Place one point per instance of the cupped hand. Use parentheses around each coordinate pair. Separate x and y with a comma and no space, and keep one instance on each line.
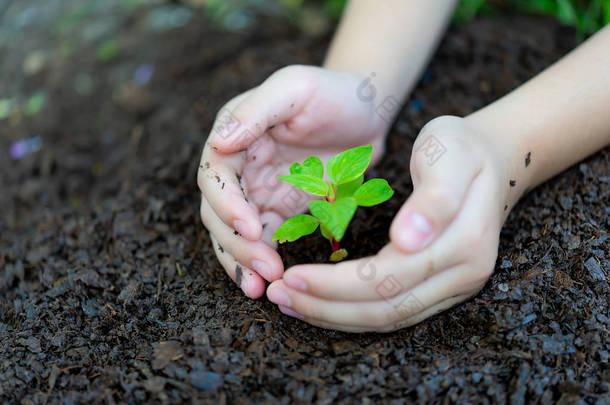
(299,111)
(443,242)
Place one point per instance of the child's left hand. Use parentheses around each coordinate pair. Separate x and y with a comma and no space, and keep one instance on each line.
(444,241)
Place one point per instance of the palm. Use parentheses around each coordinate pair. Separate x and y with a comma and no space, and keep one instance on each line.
(320,135)
(297,112)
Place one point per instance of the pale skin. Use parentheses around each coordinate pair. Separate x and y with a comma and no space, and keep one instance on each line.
(444,240)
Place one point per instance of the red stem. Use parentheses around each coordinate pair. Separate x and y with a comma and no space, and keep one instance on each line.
(335,245)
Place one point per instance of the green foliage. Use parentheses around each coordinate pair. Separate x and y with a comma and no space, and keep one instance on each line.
(307,183)
(6,107)
(295,227)
(338,255)
(34,104)
(467,10)
(312,166)
(334,8)
(349,165)
(587,16)
(349,188)
(343,192)
(108,50)
(373,192)
(335,216)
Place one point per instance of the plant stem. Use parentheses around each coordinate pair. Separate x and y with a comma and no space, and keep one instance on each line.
(332,194)
(334,244)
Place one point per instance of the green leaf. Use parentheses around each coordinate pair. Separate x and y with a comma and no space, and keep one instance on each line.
(565,12)
(108,51)
(348,189)
(34,104)
(295,227)
(349,165)
(338,255)
(307,183)
(312,166)
(6,107)
(295,168)
(335,216)
(325,231)
(373,192)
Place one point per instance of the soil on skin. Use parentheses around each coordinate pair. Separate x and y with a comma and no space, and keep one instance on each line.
(110,291)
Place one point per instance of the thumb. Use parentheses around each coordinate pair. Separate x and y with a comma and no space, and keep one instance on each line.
(442,170)
(275,101)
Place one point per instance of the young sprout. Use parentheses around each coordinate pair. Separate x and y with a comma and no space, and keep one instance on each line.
(343,193)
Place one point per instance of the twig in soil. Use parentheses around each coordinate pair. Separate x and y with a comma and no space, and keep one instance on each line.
(159,283)
(109,239)
(55,371)
(179,270)
(111,308)
(178,384)
(256,319)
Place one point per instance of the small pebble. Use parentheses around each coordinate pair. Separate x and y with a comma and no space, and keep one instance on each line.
(205,380)
(595,269)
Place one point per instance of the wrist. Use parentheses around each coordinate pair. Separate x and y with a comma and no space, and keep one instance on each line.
(509,156)
(371,91)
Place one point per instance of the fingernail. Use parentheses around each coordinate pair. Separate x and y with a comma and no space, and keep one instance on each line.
(279,297)
(417,232)
(295,282)
(290,312)
(261,268)
(240,226)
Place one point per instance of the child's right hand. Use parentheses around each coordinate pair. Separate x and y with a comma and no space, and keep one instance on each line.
(297,112)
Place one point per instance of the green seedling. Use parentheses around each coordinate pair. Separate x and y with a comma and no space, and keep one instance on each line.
(342,194)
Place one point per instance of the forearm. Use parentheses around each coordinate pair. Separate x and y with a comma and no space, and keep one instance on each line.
(554,120)
(388,41)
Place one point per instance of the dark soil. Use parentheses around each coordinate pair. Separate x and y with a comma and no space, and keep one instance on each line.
(110,291)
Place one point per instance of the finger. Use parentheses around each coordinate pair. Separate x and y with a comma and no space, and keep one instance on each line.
(393,305)
(358,280)
(221,187)
(250,282)
(309,308)
(275,195)
(257,256)
(225,122)
(442,167)
(219,181)
(428,312)
(465,240)
(276,100)
(435,309)
(324,324)
(271,221)
(260,153)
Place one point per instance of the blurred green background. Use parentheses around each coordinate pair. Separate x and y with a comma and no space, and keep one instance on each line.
(585,16)
(68,26)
